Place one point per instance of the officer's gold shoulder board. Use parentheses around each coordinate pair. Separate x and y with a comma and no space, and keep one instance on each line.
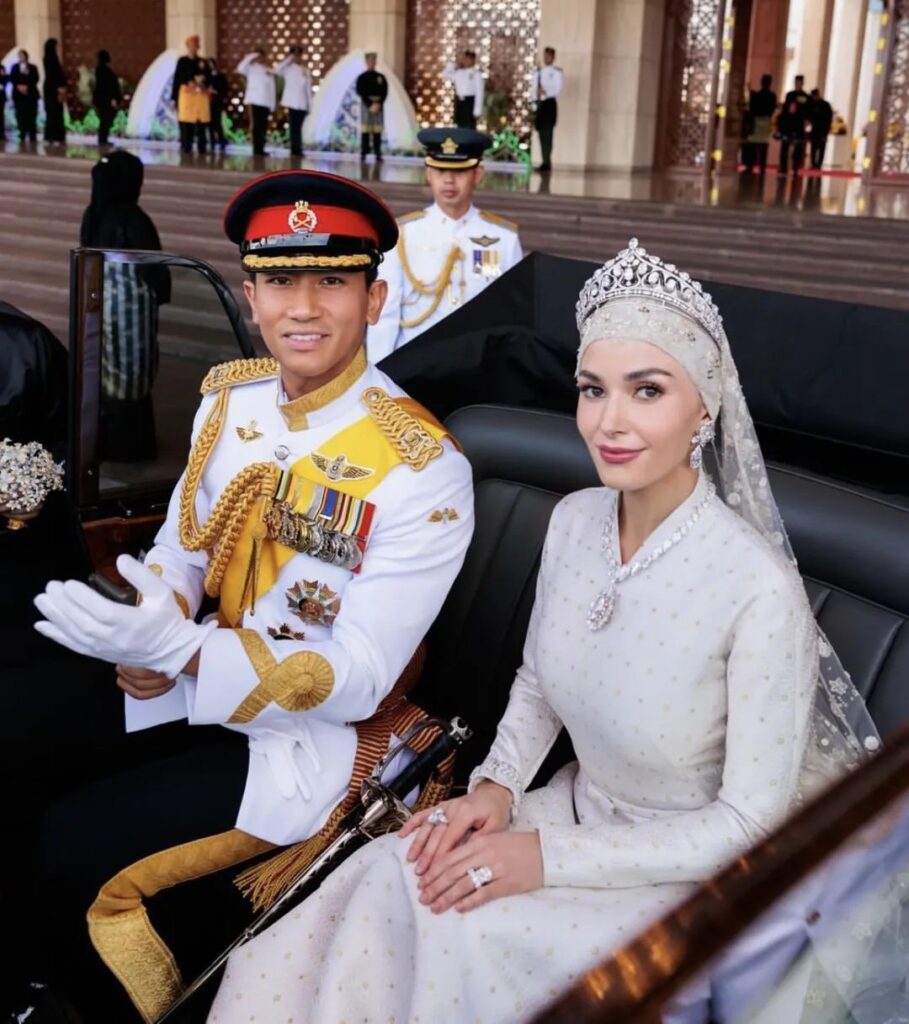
(238,371)
(413,215)
(494,218)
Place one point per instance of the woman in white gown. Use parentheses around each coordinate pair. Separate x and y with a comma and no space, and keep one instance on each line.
(671,636)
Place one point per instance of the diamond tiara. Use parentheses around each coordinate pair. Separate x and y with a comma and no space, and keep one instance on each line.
(633,274)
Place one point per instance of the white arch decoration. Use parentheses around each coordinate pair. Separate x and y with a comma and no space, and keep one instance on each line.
(334,118)
(150,115)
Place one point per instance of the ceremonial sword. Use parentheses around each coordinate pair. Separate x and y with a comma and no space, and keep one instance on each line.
(379,804)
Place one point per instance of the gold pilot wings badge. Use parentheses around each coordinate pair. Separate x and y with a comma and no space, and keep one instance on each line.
(485,241)
(338,468)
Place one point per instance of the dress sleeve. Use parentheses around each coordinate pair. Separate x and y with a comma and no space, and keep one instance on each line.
(529,726)
(771,677)
(412,560)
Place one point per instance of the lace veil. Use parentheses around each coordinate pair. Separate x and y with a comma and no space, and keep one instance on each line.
(637,297)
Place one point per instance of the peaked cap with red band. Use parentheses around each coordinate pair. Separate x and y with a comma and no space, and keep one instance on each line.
(309,220)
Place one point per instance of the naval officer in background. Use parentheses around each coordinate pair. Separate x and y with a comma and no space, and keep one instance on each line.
(447,253)
(469,89)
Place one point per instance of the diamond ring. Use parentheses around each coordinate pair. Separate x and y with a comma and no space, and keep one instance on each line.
(479,876)
(437,816)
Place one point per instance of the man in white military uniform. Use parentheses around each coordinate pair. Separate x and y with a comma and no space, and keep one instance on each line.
(296,96)
(259,96)
(545,89)
(447,253)
(469,89)
(328,514)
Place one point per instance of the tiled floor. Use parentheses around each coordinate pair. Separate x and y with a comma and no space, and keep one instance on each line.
(834,194)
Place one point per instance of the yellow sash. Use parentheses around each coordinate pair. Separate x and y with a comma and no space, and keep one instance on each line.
(364,445)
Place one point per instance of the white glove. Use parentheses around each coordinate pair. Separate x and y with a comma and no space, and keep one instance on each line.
(154,635)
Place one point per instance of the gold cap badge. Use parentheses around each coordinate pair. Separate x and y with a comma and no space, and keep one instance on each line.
(449,147)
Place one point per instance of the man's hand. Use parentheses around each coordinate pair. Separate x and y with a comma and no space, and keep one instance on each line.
(143,683)
(153,635)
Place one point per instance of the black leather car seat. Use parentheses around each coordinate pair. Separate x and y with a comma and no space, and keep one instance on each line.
(852,547)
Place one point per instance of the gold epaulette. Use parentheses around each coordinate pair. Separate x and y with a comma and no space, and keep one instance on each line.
(494,218)
(413,443)
(238,371)
(413,215)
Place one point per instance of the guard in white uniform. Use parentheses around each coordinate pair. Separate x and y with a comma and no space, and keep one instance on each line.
(447,253)
(546,87)
(296,96)
(328,515)
(469,89)
(259,96)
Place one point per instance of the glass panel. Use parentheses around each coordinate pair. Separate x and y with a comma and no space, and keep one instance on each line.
(835,950)
(162,329)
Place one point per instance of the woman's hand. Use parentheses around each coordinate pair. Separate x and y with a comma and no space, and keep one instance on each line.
(514,858)
(487,809)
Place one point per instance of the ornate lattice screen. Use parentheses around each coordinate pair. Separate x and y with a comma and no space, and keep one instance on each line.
(505,35)
(321,28)
(134,33)
(690,63)
(894,114)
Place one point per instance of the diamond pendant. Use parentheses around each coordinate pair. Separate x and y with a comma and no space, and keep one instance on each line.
(601,608)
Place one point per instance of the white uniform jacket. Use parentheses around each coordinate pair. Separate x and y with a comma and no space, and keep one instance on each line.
(550,79)
(297,94)
(260,83)
(438,265)
(324,644)
(467,82)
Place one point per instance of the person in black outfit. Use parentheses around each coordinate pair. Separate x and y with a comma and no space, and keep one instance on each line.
(372,88)
(24,80)
(106,96)
(114,220)
(820,117)
(219,89)
(791,127)
(192,98)
(54,94)
(761,108)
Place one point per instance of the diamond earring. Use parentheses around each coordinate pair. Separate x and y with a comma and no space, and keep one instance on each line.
(704,436)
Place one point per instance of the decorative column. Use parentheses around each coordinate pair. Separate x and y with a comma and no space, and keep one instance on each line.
(380,25)
(845,59)
(192,18)
(888,142)
(36,21)
(814,43)
(609,51)
(767,44)
(690,98)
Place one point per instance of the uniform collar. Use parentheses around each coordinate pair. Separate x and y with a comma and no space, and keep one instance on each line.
(323,404)
(436,210)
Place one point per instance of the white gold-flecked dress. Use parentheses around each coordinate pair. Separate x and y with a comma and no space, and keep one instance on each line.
(689,714)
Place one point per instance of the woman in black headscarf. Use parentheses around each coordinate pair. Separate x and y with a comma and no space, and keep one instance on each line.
(106,96)
(132,294)
(54,94)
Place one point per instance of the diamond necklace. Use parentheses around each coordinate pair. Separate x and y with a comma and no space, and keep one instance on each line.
(603,605)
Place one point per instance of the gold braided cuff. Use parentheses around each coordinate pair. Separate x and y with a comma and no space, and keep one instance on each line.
(251,262)
(298,683)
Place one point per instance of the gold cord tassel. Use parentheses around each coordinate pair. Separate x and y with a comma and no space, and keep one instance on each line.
(251,583)
(264,883)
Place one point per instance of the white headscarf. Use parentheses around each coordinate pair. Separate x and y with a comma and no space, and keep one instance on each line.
(636,297)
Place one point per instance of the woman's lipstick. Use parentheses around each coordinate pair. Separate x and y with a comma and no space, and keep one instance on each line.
(617,456)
